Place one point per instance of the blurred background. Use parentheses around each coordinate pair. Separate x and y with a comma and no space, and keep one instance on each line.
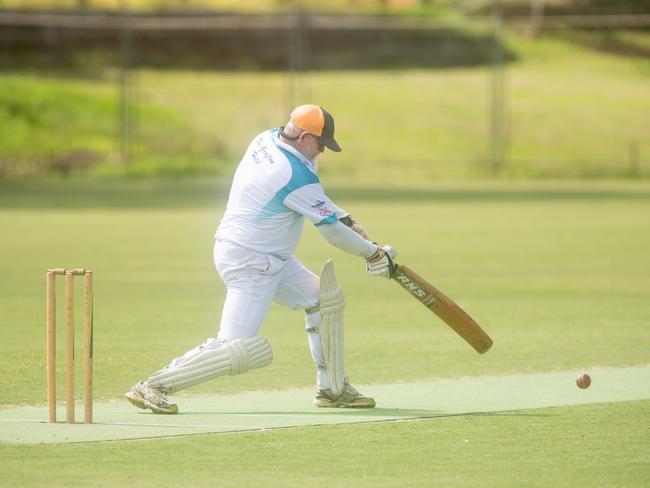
(422,90)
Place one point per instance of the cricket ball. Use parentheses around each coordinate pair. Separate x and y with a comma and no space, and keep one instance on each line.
(583,381)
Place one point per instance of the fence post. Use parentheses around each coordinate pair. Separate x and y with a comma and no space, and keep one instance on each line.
(497,85)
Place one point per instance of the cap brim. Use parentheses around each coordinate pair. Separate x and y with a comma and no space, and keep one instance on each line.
(329,143)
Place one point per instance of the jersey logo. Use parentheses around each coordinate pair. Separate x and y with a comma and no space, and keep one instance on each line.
(318,204)
(262,154)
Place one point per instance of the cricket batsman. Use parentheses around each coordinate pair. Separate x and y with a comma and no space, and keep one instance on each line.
(275,188)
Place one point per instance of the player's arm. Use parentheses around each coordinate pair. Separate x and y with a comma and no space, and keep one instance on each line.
(310,200)
(379,261)
(354,225)
(346,219)
(346,239)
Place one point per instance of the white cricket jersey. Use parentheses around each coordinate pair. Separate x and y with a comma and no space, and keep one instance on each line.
(275,187)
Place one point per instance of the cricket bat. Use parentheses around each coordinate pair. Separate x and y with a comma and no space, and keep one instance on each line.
(445,308)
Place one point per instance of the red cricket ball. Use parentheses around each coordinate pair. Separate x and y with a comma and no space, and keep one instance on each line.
(583,381)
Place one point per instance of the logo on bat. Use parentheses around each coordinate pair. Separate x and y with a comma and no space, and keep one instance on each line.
(415,290)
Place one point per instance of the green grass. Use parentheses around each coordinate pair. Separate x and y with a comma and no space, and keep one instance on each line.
(597,445)
(545,268)
(71,126)
(572,111)
(557,273)
(39,117)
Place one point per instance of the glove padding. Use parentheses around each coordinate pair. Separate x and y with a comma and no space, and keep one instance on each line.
(381,263)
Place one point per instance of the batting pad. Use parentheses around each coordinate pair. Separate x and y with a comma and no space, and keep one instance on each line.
(332,304)
(212,360)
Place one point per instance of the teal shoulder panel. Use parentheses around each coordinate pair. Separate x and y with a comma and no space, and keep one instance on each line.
(301,176)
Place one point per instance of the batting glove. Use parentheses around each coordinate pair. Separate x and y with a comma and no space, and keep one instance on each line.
(381,263)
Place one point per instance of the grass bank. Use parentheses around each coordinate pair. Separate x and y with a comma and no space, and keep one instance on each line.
(571,109)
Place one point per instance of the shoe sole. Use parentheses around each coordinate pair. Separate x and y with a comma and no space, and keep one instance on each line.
(144,404)
(135,400)
(328,404)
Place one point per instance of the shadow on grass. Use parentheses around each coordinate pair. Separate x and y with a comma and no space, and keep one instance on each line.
(340,412)
(382,414)
(207,193)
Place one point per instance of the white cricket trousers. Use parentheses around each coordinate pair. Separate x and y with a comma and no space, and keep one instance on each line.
(253,281)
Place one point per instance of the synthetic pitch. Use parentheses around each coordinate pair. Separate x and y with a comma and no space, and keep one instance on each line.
(280,409)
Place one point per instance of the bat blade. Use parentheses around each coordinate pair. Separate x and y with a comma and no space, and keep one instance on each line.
(445,308)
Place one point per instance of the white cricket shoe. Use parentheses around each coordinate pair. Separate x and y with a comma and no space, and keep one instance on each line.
(143,395)
(350,397)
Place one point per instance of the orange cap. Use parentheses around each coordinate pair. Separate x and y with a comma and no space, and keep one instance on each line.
(318,122)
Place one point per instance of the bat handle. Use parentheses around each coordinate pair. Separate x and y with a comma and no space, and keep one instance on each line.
(391,251)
